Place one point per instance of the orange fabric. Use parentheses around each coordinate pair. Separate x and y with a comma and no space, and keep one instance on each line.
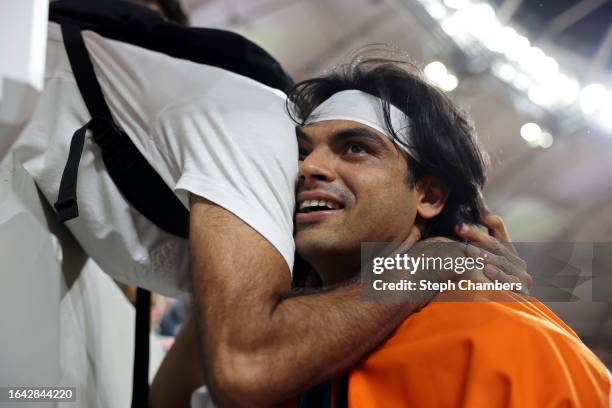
(481,354)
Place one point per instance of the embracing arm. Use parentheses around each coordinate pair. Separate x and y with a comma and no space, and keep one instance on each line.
(179,373)
(260,346)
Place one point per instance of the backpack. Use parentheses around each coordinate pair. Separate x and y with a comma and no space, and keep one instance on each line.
(137,181)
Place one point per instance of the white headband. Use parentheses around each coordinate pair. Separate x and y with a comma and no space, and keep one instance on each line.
(366,109)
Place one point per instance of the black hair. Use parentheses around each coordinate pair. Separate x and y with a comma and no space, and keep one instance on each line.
(173,11)
(442,135)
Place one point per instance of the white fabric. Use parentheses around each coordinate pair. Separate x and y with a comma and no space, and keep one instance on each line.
(64,322)
(361,107)
(205,130)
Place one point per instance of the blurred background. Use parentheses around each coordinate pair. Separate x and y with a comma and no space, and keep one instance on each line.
(534,75)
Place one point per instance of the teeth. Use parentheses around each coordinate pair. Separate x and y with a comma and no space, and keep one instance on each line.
(319,203)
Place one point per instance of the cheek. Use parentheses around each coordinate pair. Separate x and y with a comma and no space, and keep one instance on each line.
(385,208)
(393,207)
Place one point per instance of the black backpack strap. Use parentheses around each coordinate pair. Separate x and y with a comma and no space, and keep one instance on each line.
(131,23)
(140,379)
(137,181)
(84,72)
(66,204)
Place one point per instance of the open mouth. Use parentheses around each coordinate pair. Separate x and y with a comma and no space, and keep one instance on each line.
(317,205)
(317,210)
(310,206)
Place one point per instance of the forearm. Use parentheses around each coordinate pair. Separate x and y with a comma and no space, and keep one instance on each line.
(296,342)
(327,333)
(261,346)
(180,373)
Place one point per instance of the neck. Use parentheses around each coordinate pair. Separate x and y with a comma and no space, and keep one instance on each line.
(337,268)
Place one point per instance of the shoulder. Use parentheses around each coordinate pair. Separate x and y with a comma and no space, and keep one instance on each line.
(515,334)
(506,318)
(250,120)
(478,347)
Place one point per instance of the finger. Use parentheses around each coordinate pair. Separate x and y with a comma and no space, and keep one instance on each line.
(497,228)
(482,202)
(495,225)
(497,275)
(504,264)
(472,233)
(481,239)
(493,272)
(499,249)
(439,246)
(410,241)
(414,235)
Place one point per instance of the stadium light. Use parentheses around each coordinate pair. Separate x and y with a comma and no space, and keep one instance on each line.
(546,140)
(527,68)
(531,132)
(568,88)
(517,47)
(435,71)
(605,113)
(437,74)
(506,72)
(449,82)
(532,59)
(592,98)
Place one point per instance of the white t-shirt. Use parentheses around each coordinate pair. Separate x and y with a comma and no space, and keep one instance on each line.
(205,130)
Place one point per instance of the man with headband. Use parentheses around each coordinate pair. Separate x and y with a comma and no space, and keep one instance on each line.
(384,157)
(395,158)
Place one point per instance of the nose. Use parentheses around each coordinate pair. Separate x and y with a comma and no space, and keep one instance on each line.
(317,166)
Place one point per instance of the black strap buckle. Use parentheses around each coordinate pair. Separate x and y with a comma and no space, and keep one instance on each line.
(107,134)
(67,209)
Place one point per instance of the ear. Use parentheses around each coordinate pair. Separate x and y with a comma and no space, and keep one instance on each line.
(432,194)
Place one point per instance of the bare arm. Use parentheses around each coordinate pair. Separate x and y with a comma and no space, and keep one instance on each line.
(180,373)
(261,347)
(268,357)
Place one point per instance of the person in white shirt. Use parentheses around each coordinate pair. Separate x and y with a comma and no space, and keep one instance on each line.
(201,134)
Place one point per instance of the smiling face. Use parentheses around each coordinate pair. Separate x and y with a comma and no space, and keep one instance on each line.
(353,187)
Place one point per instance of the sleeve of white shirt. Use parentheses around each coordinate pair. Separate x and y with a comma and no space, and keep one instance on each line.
(235,145)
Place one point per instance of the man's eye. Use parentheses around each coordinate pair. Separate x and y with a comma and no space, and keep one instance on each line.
(356,148)
(302,154)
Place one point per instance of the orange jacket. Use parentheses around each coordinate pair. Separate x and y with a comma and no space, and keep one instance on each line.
(512,352)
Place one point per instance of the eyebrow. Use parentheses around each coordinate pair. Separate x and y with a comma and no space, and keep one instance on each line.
(347,134)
